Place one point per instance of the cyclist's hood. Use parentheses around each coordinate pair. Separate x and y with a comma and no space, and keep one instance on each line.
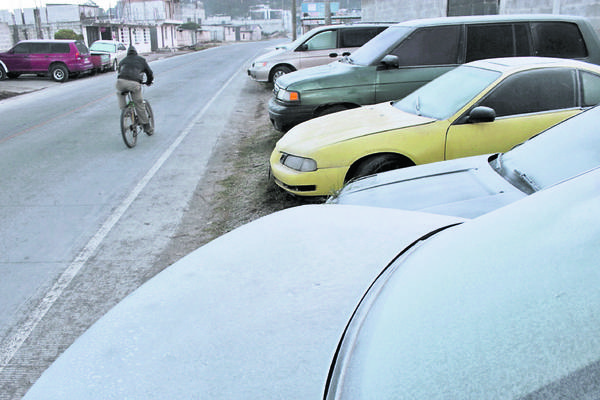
(131,51)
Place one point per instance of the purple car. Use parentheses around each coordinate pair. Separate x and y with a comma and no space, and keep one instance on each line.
(57,58)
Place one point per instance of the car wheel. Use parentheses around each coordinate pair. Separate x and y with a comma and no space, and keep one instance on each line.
(279,71)
(59,73)
(378,163)
(115,65)
(2,74)
(331,109)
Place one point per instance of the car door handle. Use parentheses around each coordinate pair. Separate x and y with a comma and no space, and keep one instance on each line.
(333,55)
(346,53)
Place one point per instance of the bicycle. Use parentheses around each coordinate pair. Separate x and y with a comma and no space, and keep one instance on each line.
(131,126)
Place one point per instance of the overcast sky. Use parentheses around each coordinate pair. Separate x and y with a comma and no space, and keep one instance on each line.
(12,4)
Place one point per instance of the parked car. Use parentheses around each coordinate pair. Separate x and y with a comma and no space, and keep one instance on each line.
(502,306)
(412,53)
(469,187)
(254,314)
(115,50)
(318,46)
(57,58)
(481,107)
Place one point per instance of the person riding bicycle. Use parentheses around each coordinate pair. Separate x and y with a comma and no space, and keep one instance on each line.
(130,77)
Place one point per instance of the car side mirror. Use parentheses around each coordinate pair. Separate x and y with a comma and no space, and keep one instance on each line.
(390,61)
(482,114)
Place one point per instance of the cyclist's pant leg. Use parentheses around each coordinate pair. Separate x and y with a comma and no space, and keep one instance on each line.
(138,99)
(122,85)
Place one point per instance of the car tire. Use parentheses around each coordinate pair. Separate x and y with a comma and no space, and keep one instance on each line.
(277,72)
(59,73)
(12,75)
(114,65)
(378,163)
(2,74)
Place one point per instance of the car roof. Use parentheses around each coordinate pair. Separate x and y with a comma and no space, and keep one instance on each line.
(49,41)
(474,19)
(512,63)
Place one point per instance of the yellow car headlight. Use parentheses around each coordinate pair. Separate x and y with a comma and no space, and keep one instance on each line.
(297,163)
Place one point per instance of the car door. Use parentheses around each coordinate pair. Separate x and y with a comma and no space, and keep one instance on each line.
(422,56)
(319,49)
(39,56)
(18,58)
(525,103)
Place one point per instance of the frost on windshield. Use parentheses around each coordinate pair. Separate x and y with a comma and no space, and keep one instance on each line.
(447,94)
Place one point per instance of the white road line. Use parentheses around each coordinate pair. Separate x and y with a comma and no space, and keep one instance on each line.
(13,344)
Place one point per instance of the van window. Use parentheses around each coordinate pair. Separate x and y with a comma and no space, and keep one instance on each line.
(39,48)
(497,40)
(56,48)
(322,41)
(530,92)
(83,49)
(429,46)
(21,48)
(357,37)
(558,39)
(590,89)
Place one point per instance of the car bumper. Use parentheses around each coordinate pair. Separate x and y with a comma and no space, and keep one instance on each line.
(259,75)
(322,182)
(285,117)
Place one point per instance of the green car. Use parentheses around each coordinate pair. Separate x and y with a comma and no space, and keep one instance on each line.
(409,54)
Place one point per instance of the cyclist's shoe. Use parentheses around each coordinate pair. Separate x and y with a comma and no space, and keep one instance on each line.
(148,129)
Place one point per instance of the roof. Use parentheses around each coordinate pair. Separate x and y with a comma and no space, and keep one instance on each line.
(510,63)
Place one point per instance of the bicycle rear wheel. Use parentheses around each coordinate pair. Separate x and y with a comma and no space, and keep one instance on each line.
(129,127)
(150,114)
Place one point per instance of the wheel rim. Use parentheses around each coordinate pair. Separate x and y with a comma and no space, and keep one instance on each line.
(58,74)
(129,128)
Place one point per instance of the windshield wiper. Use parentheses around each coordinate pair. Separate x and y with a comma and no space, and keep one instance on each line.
(418,105)
(528,181)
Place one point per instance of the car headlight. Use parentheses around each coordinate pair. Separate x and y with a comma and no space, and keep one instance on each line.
(298,163)
(287,95)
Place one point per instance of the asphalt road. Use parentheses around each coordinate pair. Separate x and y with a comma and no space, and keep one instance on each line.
(83,219)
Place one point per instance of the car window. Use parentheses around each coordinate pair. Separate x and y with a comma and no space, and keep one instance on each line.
(534,91)
(82,47)
(590,89)
(559,153)
(459,86)
(322,41)
(99,46)
(440,42)
(39,48)
(122,47)
(497,40)
(378,47)
(558,39)
(357,37)
(22,48)
(58,48)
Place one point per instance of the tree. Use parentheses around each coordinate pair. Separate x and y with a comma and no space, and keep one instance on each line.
(67,34)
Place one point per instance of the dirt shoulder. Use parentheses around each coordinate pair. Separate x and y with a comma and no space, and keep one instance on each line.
(236,188)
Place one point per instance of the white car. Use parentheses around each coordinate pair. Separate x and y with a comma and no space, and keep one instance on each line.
(504,306)
(255,314)
(116,50)
(472,186)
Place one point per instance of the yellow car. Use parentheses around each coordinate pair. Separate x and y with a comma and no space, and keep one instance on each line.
(481,107)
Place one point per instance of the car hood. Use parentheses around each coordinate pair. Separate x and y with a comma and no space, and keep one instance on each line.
(272,55)
(333,75)
(347,125)
(256,313)
(465,187)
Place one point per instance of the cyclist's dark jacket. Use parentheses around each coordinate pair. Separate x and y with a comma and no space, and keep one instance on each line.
(133,66)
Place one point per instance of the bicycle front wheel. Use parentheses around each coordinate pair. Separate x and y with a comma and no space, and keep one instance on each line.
(129,127)
(150,114)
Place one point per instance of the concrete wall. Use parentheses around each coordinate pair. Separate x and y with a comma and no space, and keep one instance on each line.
(5,37)
(402,10)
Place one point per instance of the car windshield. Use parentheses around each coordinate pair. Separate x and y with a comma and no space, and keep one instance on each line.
(458,86)
(375,49)
(97,46)
(566,150)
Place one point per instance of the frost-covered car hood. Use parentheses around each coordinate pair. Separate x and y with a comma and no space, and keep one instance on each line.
(346,125)
(466,187)
(333,75)
(254,314)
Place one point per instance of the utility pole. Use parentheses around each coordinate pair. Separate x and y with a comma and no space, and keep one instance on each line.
(327,13)
(293,19)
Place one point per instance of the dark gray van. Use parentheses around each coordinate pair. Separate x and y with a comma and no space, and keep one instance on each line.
(409,54)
